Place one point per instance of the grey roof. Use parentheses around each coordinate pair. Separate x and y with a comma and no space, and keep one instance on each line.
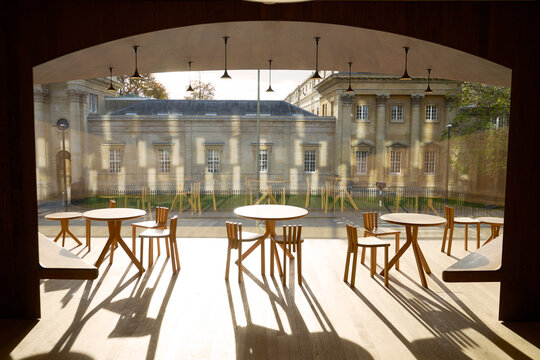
(212,107)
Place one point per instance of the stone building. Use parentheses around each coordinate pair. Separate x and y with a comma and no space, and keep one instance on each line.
(386,129)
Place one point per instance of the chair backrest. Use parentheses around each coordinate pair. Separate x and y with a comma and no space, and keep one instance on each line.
(112,203)
(370,220)
(449,215)
(234,233)
(352,237)
(161,217)
(291,236)
(172,227)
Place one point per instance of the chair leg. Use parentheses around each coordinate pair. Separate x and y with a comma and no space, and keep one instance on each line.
(158,247)
(444,237)
(347,261)
(167,243)
(355,259)
(284,278)
(386,266)
(396,251)
(299,263)
(141,252)
(175,254)
(478,236)
(88,237)
(133,235)
(150,252)
(450,237)
(240,262)
(373,261)
(363,255)
(272,249)
(466,236)
(228,263)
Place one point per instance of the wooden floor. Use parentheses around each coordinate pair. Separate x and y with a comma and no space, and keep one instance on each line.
(198,315)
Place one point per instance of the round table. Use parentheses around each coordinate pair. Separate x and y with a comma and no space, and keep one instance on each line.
(114,217)
(495,222)
(64,218)
(412,222)
(270,214)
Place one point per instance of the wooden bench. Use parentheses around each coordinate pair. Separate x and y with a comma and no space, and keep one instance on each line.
(483,265)
(55,262)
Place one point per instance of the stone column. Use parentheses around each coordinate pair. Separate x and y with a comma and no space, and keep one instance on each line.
(343,143)
(42,129)
(73,135)
(380,135)
(414,163)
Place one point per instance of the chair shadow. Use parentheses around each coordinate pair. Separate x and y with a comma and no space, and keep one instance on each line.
(432,312)
(258,342)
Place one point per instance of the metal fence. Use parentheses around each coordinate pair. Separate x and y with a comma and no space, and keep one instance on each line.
(196,201)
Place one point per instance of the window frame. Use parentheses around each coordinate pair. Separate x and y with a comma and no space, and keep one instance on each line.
(433,109)
(392,161)
(92,103)
(164,163)
(362,113)
(115,162)
(212,164)
(363,160)
(401,112)
(311,161)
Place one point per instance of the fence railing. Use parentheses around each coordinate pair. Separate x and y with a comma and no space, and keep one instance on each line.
(326,200)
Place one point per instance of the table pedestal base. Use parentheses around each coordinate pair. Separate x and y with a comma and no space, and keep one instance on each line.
(64,224)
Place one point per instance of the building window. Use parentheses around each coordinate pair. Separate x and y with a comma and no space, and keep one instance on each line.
(324,110)
(114,161)
(362,112)
(431,113)
(397,113)
(164,160)
(310,161)
(429,162)
(212,160)
(361,162)
(93,103)
(263,161)
(395,162)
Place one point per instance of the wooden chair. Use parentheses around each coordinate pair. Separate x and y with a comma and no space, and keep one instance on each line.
(371,228)
(170,243)
(450,221)
(236,237)
(365,242)
(290,242)
(112,204)
(160,223)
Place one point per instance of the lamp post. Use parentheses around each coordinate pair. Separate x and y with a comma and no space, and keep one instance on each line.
(449,127)
(380,185)
(63,125)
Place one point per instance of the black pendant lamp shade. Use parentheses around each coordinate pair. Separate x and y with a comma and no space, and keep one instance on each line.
(190,89)
(269,77)
(349,89)
(428,90)
(225,74)
(111,88)
(405,74)
(316,75)
(136,74)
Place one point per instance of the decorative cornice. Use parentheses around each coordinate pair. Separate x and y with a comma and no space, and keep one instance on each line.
(346,99)
(77,95)
(416,99)
(382,99)
(41,94)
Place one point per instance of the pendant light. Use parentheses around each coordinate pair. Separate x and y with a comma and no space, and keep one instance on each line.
(270,76)
(225,75)
(405,75)
(316,75)
(111,88)
(136,74)
(190,89)
(428,90)
(349,89)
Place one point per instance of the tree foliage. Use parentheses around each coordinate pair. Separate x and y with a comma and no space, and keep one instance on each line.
(480,107)
(202,91)
(148,86)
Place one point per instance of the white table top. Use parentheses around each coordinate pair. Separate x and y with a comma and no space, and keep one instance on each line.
(491,220)
(270,212)
(413,219)
(113,214)
(63,215)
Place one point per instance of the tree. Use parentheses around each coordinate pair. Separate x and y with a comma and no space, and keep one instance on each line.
(480,107)
(202,91)
(148,86)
